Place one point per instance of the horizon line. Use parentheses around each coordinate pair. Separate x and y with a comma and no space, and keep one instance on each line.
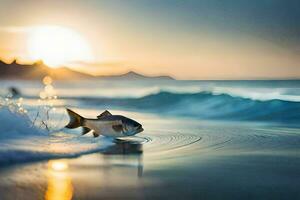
(41,62)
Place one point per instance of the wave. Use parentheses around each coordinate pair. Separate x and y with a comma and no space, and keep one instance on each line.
(20,141)
(206,105)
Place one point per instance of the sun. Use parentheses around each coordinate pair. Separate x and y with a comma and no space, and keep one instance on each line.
(56,46)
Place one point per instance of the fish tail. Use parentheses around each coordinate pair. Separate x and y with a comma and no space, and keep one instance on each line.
(75,120)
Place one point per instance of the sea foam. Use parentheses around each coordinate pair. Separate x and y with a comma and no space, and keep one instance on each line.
(16,124)
(21,141)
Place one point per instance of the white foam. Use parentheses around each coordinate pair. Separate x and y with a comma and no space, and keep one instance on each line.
(20,141)
(15,124)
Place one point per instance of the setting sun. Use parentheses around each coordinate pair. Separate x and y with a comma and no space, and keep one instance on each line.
(56,46)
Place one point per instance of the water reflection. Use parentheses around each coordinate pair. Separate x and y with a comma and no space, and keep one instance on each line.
(59,181)
(92,174)
(124,147)
(127,149)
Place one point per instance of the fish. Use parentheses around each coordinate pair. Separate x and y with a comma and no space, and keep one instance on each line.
(105,124)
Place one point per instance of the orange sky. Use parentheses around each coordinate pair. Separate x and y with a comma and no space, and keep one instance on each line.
(155,40)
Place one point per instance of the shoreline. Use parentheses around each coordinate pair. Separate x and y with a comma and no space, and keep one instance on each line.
(191,159)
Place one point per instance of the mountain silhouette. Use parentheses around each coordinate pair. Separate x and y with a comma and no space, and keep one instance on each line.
(39,70)
(131,75)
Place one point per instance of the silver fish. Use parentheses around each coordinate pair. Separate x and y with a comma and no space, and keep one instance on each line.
(106,124)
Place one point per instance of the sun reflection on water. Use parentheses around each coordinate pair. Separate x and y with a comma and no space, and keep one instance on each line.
(59,181)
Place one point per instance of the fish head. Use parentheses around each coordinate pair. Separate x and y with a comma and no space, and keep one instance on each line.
(131,127)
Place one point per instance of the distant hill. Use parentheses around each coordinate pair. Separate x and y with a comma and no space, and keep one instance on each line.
(39,70)
(135,76)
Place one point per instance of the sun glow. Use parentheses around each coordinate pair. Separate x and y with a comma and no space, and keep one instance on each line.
(56,46)
(58,165)
(60,185)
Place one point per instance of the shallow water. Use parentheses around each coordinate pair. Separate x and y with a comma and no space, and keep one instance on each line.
(173,158)
(183,153)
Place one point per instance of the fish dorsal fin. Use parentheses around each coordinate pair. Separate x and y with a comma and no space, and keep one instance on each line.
(104,114)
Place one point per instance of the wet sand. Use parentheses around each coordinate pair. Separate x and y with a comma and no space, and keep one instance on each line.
(172,159)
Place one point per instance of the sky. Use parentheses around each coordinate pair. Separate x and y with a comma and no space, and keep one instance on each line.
(187,39)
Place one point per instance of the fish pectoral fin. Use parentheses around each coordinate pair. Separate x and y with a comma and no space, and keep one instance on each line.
(118,127)
(104,114)
(85,130)
(95,134)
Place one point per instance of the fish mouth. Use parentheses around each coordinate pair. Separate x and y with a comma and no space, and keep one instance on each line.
(140,129)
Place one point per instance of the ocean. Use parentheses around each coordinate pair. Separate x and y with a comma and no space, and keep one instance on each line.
(201,140)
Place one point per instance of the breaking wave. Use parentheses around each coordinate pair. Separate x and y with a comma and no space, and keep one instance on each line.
(206,105)
(20,141)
